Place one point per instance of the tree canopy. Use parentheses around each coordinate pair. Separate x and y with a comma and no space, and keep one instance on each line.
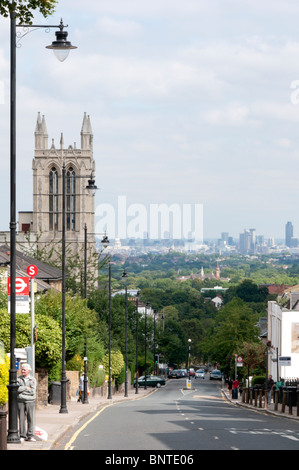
(25,9)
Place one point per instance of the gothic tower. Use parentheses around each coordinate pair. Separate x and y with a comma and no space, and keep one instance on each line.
(47,166)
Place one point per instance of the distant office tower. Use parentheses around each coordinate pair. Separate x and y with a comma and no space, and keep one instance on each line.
(247,241)
(289,234)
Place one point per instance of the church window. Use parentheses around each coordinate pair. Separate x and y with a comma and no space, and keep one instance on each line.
(71,199)
(53,199)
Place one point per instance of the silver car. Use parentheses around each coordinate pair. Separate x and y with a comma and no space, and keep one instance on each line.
(200,374)
(215,375)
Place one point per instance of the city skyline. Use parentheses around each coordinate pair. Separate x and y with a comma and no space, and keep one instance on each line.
(189,104)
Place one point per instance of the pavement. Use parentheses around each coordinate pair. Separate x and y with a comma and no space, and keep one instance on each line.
(270,408)
(53,424)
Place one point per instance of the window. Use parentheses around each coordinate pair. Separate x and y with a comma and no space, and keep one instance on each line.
(71,199)
(53,199)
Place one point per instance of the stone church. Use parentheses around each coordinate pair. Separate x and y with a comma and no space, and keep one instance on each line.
(43,226)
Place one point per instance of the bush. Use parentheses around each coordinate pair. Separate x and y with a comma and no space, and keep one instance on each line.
(4,379)
(99,378)
(258,380)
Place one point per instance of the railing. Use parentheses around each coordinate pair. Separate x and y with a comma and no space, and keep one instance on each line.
(286,396)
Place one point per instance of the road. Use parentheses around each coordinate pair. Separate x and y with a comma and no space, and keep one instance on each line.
(175,419)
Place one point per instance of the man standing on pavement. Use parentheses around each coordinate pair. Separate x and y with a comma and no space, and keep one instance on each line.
(26,403)
(269,386)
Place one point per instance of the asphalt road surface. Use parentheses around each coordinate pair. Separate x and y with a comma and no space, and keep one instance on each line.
(175,419)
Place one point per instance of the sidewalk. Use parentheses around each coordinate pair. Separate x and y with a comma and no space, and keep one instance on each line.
(56,424)
(270,407)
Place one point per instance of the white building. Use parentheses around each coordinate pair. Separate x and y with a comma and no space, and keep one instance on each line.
(283,332)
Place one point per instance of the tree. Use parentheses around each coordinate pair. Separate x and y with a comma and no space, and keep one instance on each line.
(117,363)
(234,325)
(24,9)
(48,336)
(80,321)
(253,355)
(173,344)
(248,291)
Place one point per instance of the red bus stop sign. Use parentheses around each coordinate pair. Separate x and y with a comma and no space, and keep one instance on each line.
(32,270)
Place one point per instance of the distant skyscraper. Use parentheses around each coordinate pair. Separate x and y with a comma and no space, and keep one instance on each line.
(289,234)
(247,241)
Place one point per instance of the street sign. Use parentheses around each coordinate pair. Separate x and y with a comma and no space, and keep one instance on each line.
(239,361)
(284,360)
(22,294)
(22,286)
(32,270)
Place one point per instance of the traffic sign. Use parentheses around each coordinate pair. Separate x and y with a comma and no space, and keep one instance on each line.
(22,286)
(32,270)
(22,294)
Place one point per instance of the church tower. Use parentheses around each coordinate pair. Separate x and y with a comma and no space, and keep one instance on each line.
(47,166)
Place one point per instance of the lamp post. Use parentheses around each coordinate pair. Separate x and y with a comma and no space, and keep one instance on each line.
(85,380)
(189,348)
(145,341)
(137,297)
(125,276)
(155,369)
(89,187)
(60,43)
(63,407)
(109,378)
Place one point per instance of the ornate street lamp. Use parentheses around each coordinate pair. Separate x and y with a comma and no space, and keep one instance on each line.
(13,433)
(61,47)
(137,297)
(125,276)
(145,340)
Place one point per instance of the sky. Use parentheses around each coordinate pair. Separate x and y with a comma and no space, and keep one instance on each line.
(191,103)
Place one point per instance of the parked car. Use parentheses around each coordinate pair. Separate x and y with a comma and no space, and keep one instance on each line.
(151,381)
(215,375)
(191,372)
(200,374)
(173,374)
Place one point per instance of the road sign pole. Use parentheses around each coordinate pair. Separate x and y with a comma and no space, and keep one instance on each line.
(32,271)
(32,326)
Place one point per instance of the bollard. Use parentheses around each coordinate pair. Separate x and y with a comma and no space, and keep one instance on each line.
(255,397)
(284,399)
(290,403)
(260,398)
(3,430)
(276,394)
(250,396)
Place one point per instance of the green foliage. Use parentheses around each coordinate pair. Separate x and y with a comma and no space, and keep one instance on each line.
(48,344)
(98,378)
(117,363)
(173,343)
(234,324)
(258,379)
(80,321)
(25,8)
(4,379)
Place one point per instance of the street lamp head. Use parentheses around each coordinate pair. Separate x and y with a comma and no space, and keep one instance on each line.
(61,47)
(105,241)
(124,274)
(91,187)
